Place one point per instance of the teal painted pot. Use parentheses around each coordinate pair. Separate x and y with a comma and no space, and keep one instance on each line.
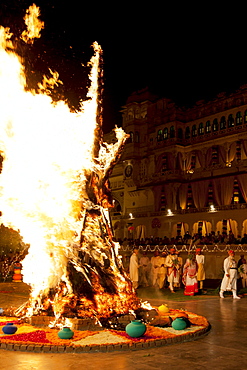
(179,323)
(135,328)
(65,333)
(9,328)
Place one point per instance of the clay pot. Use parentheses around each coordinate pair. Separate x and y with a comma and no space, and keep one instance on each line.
(65,333)
(179,323)
(135,328)
(9,328)
(163,309)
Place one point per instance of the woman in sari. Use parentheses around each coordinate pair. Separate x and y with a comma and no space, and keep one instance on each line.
(190,276)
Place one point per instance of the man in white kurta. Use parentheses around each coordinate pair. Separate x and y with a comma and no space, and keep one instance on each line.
(162,273)
(229,281)
(155,265)
(133,268)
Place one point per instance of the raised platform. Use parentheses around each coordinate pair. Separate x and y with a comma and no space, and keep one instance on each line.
(31,338)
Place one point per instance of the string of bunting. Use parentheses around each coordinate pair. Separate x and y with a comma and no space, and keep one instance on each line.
(186,248)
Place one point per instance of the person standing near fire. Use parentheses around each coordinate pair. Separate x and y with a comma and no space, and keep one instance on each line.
(229,281)
(243,273)
(155,265)
(190,276)
(133,268)
(200,260)
(162,274)
(144,270)
(177,283)
(172,269)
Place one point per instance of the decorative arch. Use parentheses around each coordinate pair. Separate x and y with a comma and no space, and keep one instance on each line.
(202,227)
(226,226)
(140,232)
(181,228)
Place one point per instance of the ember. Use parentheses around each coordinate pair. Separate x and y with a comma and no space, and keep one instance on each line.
(55,190)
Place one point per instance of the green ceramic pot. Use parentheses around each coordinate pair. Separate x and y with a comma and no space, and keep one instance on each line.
(65,333)
(179,323)
(136,328)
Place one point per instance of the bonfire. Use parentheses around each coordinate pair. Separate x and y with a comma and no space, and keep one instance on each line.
(54,190)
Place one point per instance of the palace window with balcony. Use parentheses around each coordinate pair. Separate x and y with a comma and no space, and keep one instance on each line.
(194,131)
(215,125)
(222,123)
(201,129)
(165,133)
(245,116)
(160,135)
(230,120)
(239,118)
(208,127)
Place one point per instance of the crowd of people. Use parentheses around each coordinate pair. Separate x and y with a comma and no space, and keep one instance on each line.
(168,271)
(187,239)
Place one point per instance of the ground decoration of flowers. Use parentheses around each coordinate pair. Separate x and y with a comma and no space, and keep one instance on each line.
(34,339)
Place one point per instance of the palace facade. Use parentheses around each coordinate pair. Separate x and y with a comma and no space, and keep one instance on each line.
(182,169)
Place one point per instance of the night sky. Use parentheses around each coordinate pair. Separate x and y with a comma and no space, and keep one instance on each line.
(179,52)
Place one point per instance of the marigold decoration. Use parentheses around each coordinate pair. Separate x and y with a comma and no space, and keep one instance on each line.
(29,335)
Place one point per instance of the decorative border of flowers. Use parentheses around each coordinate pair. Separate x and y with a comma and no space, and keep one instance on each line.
(30,338)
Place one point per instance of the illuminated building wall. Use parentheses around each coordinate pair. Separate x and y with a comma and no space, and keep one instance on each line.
(182,166)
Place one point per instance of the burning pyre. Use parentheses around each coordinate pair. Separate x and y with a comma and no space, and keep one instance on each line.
(54,189)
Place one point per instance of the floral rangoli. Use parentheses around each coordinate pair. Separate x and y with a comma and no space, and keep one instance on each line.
(27,335)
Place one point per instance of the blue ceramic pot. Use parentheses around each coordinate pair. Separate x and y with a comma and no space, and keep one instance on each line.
(9,328)
(65,333)
(135,328)
(179,323)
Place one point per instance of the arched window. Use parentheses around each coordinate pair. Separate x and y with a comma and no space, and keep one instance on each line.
(208,127)
(193,131)
(137,137)
(165,133)
(215,125)
(172,131)
(159,136)
(180,133)
(230,120)
(239,118)
(131,138)
(187,132)
(201,129)
(130,115)
(222,123)
(245,116)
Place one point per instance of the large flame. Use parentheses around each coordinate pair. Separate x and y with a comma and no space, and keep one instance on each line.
(48,152)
